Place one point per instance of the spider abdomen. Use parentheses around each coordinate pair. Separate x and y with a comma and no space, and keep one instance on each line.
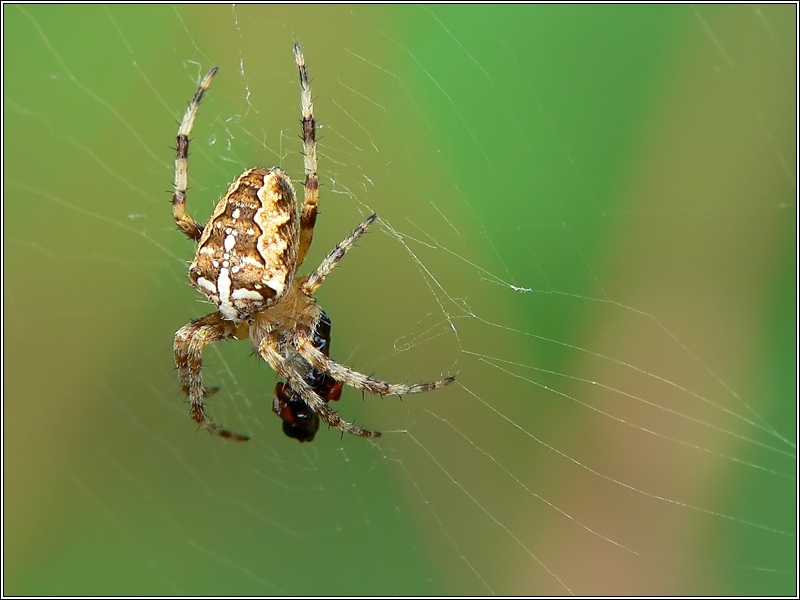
(247,255)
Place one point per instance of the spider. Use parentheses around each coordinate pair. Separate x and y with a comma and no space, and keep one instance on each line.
(246,264)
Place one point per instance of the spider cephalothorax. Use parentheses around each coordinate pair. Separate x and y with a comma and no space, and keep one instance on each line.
(246,264)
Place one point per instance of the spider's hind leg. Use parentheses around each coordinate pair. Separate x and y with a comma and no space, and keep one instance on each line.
(308,213)
(185,222)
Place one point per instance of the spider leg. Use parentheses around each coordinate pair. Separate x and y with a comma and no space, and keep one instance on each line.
(269,352)
(308,214)
(187,224)
(188,349)
(326,266)
(359,381)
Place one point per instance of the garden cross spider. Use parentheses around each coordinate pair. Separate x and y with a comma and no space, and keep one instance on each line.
(246,264)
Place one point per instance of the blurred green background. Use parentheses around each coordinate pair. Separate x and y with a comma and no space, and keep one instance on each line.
(588,214)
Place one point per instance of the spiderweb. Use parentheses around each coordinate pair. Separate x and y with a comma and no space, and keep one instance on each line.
(587,214)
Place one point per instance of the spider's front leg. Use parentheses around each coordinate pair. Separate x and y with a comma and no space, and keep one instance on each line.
(359,381)
(268,349)
(188,349)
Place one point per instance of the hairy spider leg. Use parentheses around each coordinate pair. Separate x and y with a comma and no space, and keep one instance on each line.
(188,349)
(185,223)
